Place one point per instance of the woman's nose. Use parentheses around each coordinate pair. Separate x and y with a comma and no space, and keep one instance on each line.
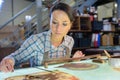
(58,27)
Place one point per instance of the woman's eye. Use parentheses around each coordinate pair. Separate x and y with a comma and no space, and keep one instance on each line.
(64,24)
(54,22)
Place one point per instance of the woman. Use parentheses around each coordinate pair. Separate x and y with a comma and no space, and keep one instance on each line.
(52,44)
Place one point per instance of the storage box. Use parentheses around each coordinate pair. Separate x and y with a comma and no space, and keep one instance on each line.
(107,39)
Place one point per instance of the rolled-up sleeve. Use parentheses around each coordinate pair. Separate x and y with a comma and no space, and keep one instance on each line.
(25,52)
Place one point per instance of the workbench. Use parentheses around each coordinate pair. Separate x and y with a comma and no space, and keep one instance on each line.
(103,72)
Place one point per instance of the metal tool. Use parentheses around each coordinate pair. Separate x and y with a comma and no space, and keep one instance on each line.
(44,69)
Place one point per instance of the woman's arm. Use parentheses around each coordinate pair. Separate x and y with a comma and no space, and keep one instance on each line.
(19,56)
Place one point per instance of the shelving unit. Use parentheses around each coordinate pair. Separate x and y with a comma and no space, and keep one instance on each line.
(82,32)
(82,23)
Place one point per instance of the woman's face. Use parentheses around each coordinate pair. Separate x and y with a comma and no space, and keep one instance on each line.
(60,23)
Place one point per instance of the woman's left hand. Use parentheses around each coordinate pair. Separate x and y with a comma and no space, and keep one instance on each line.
(78,54)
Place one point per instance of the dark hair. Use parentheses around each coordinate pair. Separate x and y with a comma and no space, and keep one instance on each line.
(64,7)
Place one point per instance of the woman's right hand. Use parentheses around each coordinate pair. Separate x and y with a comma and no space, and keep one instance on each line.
(7,65)
(78,54)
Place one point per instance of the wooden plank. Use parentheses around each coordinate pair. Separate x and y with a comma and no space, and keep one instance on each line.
(69,59)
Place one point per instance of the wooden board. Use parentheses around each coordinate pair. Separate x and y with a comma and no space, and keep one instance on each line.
(80,66)
(54,75)
(117,69)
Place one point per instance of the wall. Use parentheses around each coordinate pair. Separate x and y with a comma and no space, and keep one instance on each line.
(6,12)
(6,34)
(21,4)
